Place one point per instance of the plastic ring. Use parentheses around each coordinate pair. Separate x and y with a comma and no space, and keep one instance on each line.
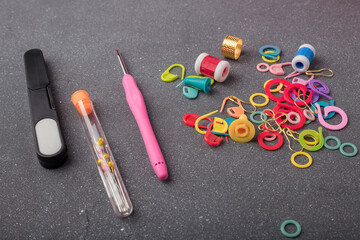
(271,61)
(299,165)
(338,143)
(267,67)
(269,85)
(308,121)
(259,104)
(313,143)
(290,235)
(272,52)
(257,113)
(269,54)
(297,117)
(279,87)
(309,115)
(270,139)
(348,154)
(264,134)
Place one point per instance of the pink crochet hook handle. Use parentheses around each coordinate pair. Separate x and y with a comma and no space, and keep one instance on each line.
(137,105)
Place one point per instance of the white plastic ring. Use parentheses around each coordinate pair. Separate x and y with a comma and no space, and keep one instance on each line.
(198,62)
(222,71)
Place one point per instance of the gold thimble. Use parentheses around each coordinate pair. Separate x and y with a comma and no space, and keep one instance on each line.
(231,47)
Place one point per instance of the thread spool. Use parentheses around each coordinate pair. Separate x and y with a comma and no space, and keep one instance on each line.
(303,58)
(212,67)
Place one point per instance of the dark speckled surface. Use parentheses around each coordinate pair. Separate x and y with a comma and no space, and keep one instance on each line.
(236,191)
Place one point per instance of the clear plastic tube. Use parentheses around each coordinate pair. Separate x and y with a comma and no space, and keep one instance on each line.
(104,159)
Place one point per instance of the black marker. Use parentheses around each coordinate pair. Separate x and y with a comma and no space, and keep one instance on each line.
(49,142)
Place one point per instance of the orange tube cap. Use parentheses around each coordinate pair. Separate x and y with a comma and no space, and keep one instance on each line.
(83,96)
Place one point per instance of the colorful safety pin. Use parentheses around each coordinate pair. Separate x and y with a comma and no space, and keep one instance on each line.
(235,99)
(276,69)
(318,72)
(234,112)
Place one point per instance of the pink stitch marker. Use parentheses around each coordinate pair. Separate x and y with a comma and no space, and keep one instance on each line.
(137,105)
(329,109)
(276,69)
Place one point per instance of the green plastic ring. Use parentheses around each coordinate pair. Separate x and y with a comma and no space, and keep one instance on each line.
(348,154)
(257,113)
(290,235)
(338,143)
(308,121)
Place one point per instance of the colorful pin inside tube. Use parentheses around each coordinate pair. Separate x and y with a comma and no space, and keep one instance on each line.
(304,56)
(212,67)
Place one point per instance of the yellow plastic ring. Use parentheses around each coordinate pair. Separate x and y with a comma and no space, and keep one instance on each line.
(311,143)
(259,104)
(279,87)
(269,60)
(299,165)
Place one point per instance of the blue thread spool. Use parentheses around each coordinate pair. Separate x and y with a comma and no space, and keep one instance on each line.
(303,58)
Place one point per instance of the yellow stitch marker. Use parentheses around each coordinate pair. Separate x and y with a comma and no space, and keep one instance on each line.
(220,125)
(199,119)
(169,77)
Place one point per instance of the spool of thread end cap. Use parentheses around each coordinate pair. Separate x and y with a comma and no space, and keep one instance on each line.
(212,67)
(301,61)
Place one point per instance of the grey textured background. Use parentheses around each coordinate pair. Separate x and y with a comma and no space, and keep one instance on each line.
(235,191)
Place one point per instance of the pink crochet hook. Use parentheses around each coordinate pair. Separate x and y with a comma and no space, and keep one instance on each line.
(137,105)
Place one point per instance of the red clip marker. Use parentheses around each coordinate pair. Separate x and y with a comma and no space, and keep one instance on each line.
(211,138)
(190,118)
